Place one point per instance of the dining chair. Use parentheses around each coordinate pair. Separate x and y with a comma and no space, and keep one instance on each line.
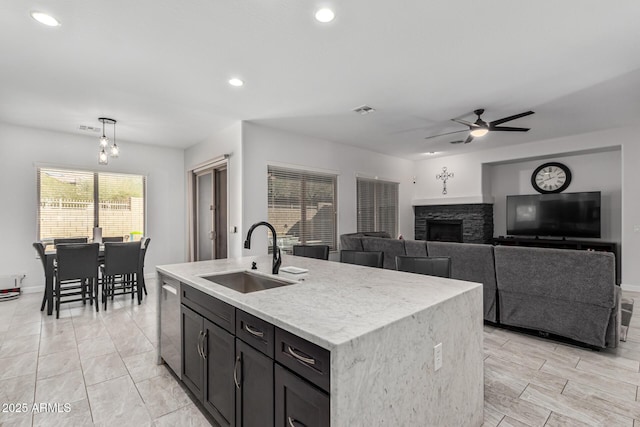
(368,259)
(113,239)
(76,274)
(66,240)
(312,251)
(143,253)
(40,249)
(439,266)
(121,270)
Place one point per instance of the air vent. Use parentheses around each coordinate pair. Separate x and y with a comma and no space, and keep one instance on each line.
(89,128)
(364,109)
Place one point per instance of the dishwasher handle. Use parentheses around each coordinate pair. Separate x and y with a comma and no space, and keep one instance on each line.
(170,288)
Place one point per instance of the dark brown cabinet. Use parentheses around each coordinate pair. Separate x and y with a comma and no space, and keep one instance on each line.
(254,387)
(207,365)
(248,373)
(219,350)
(192,361)
(298,403)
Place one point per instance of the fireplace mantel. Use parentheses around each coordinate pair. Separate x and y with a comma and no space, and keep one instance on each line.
(452,201)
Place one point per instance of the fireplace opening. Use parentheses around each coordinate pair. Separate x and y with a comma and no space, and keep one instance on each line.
(444,230)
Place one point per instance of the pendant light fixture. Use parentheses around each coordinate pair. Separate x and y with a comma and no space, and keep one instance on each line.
(114,150)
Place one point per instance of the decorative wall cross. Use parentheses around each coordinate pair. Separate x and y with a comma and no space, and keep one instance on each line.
(444,176)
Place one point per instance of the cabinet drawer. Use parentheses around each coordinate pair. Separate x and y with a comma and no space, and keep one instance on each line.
(255,332)
(220,313)
(298,403)
(304,358)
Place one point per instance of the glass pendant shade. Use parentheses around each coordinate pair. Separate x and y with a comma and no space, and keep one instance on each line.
(103,158)
(115,150)
(104,141)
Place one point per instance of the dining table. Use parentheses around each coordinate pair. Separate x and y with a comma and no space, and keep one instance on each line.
(49,273)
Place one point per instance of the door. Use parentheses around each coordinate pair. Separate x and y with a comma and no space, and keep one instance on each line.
(192,362)
(210,213)
(204,216)
(254,387)
(219,392)
(298,403)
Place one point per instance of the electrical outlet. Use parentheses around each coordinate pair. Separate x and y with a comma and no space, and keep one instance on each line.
(437,357)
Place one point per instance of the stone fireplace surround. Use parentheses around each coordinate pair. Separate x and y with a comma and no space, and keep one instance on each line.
(477,220)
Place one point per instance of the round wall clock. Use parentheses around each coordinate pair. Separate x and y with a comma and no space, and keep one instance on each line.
(552,177)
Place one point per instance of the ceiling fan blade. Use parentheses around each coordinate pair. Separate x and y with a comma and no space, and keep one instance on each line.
(469,139)
(508,119)
(459,141)
(443,134)
(466,123)
(507,129)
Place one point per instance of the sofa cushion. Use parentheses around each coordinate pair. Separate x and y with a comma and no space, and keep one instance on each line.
(350,242)
(390,247)
(474,263)
(415,247)
(566,292)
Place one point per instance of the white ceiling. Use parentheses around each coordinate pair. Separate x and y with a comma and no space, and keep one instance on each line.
(161,68)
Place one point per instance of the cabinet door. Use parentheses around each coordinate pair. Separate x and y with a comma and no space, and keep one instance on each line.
(219,388)
(192,368)
(298,403)
(254,387)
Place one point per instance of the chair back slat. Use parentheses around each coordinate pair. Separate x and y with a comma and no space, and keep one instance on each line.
(431,266)
(121,258)
(77,261)
(66,240)
(366,258)
(312,251)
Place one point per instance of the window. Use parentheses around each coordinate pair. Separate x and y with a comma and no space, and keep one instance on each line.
(71,203)
(377,206)
(302,207)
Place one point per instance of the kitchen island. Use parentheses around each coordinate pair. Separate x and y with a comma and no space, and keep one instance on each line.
(381,329)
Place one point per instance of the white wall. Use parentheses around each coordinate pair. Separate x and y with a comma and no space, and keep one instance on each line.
(468,178)
(263,146)
(600,171)
(228,141)
(22,148)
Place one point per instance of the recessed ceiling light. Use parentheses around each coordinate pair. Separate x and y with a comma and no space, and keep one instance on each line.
(430,153)
(45,19)
(325,15)
(236,82)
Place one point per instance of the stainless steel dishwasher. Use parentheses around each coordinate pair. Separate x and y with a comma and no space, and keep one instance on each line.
(170,345)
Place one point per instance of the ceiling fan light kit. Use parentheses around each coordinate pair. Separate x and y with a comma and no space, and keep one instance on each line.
(480,128)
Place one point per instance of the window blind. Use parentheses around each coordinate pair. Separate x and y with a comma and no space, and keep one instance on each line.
(302,207)
(377,206)
(71,203)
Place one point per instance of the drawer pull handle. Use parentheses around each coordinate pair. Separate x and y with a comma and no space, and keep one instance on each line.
(235,373)
(198,344)
(307,360)
(291,422)
(204,338)
(254,332)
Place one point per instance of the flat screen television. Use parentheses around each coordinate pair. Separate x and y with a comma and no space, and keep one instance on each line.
(560,215)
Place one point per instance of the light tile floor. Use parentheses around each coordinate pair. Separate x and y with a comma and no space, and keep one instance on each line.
(103,366)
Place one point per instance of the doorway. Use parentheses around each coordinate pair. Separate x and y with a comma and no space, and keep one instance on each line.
(210,212)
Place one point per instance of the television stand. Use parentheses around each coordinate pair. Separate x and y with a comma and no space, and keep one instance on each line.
(581,245)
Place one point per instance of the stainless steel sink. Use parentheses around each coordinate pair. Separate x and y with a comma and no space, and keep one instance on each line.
(245,282)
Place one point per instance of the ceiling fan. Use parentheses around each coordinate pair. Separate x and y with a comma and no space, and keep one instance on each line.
(481,128)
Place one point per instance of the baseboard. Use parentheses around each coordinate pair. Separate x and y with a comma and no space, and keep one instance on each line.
(631,288)
(38,289)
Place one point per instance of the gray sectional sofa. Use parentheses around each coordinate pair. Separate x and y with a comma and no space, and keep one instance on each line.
(565,292)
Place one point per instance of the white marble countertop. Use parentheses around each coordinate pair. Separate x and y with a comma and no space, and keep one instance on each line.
(330,305)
